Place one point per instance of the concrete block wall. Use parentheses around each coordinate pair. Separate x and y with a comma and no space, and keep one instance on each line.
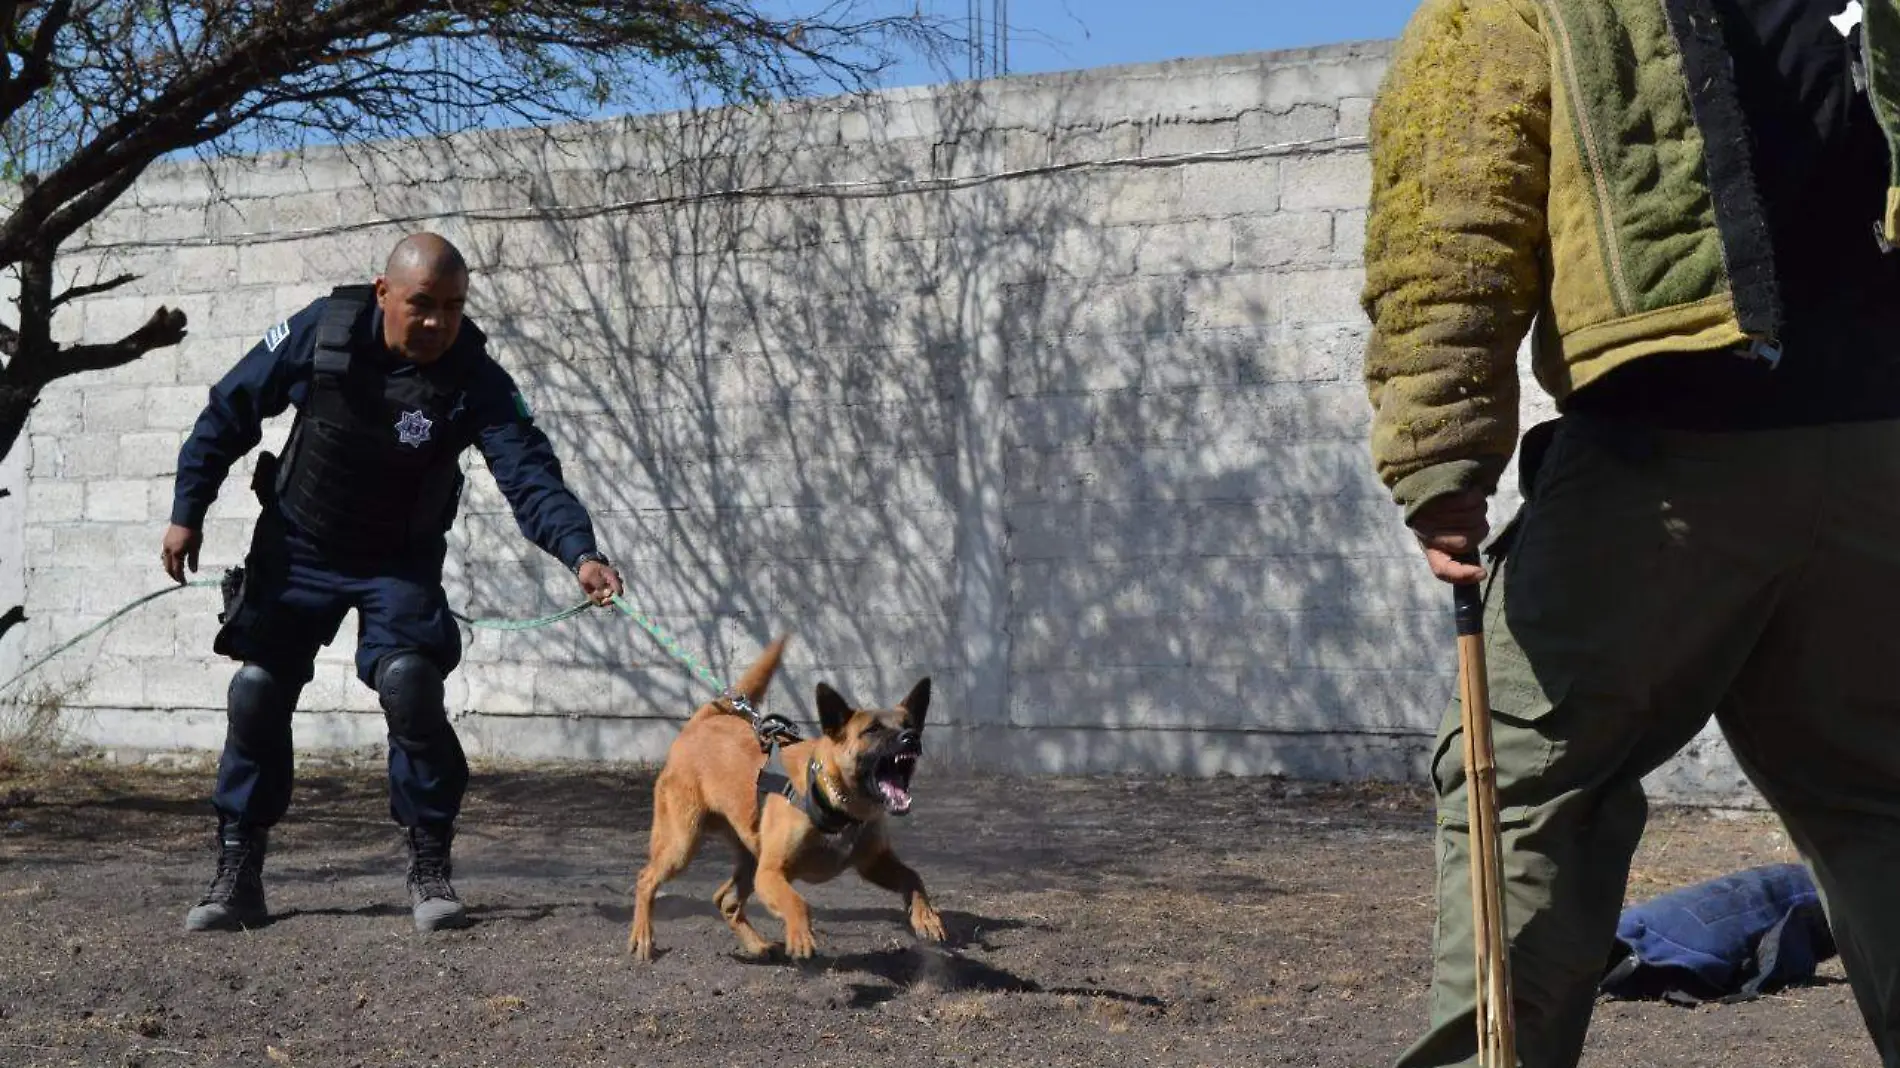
(1045,387)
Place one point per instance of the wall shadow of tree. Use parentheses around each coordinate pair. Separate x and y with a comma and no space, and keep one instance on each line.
(1036,436)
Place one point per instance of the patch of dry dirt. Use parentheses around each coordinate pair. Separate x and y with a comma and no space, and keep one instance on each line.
(1095,921)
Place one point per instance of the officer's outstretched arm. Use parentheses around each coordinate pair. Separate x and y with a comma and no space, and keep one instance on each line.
(522,460)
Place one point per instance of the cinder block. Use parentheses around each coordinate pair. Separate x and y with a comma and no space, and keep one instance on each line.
(115,409)
(1238,300)
(1048,530)
(174,410)
(1282,240)
(158,367)
(246,311)
(89,456)
(99,680)
(181,683)
(1320,183)
(59,410)
(119,501)
(1122,697)
(202,269)
(1316,699)
(1144,196)
(1170,136)
(1346,639)
(148,455)
(49,500)
(1329,295)
(143,634)
(269,263)
(110,317)
(1185,248)
(1325,82)
(1297,354)
(1220,189)
(56,590)
(1301,122)
(1355,116)
(1253,641)
(79,543)
(500,688)
(1349,236)
(582,690)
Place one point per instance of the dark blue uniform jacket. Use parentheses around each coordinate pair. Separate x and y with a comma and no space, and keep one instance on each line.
(275,374)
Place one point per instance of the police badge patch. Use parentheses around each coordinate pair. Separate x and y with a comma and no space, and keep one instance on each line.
(413,428)
(276,335)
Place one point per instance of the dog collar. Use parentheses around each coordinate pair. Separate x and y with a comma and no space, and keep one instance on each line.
(825,817)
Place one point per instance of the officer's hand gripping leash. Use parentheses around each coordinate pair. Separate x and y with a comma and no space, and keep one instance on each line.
(1497,1031)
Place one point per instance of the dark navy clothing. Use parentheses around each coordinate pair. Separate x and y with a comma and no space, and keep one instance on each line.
(275,375)
(399,602)
(298,588)
(400,606)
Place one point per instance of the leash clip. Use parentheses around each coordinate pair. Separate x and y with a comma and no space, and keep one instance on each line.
(771,727)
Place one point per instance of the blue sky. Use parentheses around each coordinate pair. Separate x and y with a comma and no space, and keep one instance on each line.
(1051,35)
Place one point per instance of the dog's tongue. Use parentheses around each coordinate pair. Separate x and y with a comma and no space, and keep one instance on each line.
(896,798)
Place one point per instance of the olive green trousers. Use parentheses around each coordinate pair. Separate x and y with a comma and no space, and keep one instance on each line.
(1655,579)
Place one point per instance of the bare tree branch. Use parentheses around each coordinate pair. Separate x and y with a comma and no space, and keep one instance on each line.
(93,92)
(36,63)
(14,617)
(166,327)
(94,288)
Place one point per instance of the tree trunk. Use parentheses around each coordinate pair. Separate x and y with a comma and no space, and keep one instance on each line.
(16,403)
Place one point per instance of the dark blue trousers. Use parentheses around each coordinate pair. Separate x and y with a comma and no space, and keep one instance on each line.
(303,595)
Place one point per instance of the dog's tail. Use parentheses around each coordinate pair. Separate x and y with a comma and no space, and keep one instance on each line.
(752,685)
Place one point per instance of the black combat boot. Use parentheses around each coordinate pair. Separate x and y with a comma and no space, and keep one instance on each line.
(235,900)
(432,899)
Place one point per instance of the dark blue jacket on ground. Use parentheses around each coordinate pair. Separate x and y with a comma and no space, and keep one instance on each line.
(275,374)
(1749,933)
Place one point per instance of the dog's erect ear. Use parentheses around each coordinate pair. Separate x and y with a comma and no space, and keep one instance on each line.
(916,703)
(833,711)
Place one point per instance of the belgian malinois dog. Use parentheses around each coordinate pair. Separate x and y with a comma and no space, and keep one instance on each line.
(842,787)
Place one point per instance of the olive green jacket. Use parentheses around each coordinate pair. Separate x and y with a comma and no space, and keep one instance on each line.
(1579,168)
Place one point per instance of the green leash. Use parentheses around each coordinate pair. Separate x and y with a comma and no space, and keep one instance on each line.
(666,641)
(679,653)
(104,624)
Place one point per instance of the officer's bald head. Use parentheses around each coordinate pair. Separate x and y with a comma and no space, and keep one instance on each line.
(422,291)
(424,255)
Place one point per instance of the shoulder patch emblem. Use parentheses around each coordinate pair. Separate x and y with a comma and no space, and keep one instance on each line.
(277,335)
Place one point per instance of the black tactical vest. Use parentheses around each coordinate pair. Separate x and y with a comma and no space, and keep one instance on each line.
(371,466)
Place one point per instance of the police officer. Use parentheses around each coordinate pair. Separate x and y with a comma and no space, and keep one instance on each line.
(391,384)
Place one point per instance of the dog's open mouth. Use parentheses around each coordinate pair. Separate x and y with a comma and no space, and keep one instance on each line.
(891,779)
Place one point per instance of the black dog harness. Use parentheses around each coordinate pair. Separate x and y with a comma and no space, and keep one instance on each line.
(775,778)
(774,731)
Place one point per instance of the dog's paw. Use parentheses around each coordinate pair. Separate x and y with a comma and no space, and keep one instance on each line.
(641,949)
(928,925)
(800,945)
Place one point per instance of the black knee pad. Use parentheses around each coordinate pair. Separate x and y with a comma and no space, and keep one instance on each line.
(409,685)
(259,704)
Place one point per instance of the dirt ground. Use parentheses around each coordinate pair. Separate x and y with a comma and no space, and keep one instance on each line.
(1095,921)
